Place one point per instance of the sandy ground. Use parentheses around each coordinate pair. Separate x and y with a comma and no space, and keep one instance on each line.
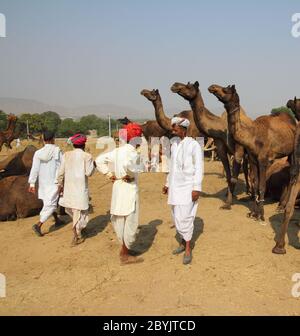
(233,270)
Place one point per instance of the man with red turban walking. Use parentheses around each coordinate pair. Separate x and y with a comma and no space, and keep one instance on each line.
(73,174)
(122,166)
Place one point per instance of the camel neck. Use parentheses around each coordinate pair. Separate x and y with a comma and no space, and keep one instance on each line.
(10,127)
(163,121)
(207,122)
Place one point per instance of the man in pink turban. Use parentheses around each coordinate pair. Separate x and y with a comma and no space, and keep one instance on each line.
(76,167)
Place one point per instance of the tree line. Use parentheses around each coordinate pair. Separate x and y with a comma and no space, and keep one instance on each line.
(39,122)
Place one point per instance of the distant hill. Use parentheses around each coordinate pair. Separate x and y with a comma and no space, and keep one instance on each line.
(19,106)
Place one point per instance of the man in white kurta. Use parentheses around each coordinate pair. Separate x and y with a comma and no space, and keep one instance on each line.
(46,162)
(184,184)
(122,166)
(76,167)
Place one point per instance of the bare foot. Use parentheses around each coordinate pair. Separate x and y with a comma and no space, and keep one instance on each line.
(127,260)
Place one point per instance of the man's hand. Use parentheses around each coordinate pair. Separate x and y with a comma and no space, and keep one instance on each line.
(32,190)
(113,178)
(165,190)
(60,189)
(195,195)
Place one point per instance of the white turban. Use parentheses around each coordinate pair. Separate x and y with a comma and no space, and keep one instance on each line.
(180,122)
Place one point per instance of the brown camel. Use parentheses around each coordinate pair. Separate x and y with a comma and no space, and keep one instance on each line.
(216,127)
(16,201)
(6,135)
(150,128)
(292,196)
(18,163)
(294,105)
(165,122)
(267,138)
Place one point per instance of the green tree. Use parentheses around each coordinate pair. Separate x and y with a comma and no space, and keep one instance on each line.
(67,128)
(51,121)
(283,109)
(3,120)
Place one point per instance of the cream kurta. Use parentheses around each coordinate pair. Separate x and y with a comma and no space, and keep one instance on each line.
(122,161)
(186,171)
(74,171)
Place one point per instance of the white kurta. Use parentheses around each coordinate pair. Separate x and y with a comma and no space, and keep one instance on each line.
(122,161)
(186,171)
(124,204)
(186,174)
(45,165)
(74,171)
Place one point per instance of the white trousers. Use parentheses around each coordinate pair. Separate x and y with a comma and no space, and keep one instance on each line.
(80,219)
(184,216)
(49,206)
(126,227)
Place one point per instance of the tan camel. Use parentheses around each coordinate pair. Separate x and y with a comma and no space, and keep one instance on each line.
(16,201)
(164,121)
(150,129)
(267,138)
(216,127)
(5,136)
(18,163)
(292,196)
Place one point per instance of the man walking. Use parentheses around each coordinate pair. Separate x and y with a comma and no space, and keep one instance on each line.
(184,184)
(76,167)
(46,162)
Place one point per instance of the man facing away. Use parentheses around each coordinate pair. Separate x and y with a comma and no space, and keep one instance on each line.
(184,184)
(121,167)
(76,167)
(46,162)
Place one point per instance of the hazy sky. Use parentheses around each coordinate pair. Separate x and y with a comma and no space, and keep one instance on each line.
(76,52)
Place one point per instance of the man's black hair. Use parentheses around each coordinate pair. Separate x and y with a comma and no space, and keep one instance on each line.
(48,135)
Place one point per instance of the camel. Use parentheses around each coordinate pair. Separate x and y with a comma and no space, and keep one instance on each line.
(267,138)
(216,127)
(165,122)
(5,136)
(292,196)
(16,201)
(150,128)
(294,105)
(18,163)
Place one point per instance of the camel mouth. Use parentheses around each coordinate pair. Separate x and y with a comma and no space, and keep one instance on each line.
(144,92)
(175,89)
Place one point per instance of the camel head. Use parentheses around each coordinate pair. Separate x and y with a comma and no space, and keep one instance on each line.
(223,94)
(151,95)
(294,105)
(124,121)
(188,91)
(12,118)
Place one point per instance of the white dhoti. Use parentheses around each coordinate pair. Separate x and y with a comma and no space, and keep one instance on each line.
(126,227)
(49,204)
(184,216)
(80,219)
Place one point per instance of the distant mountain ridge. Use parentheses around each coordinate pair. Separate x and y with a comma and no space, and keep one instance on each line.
(19,106)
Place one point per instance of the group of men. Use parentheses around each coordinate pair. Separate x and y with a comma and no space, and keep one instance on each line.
(63,179)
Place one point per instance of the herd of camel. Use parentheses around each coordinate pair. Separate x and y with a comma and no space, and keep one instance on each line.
(268,145)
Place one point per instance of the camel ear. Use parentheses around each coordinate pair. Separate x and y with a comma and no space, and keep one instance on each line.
(233,87)
(196,85)
(295,100)
(157,91)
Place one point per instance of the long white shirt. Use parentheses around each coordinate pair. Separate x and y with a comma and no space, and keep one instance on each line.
(186,171)
(73,174)
(122,161)
(46,162)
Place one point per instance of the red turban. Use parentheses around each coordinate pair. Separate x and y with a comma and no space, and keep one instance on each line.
(78,139)
(133,130)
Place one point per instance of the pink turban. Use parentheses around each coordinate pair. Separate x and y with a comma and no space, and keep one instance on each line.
(78,139)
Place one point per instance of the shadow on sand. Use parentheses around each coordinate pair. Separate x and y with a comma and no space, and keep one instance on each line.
(293,229)
(145,237)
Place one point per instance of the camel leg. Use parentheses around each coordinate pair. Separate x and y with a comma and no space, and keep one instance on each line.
(224,158)
(289,211)
(246,174)
(254,182)
(284,198)
(262,189)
